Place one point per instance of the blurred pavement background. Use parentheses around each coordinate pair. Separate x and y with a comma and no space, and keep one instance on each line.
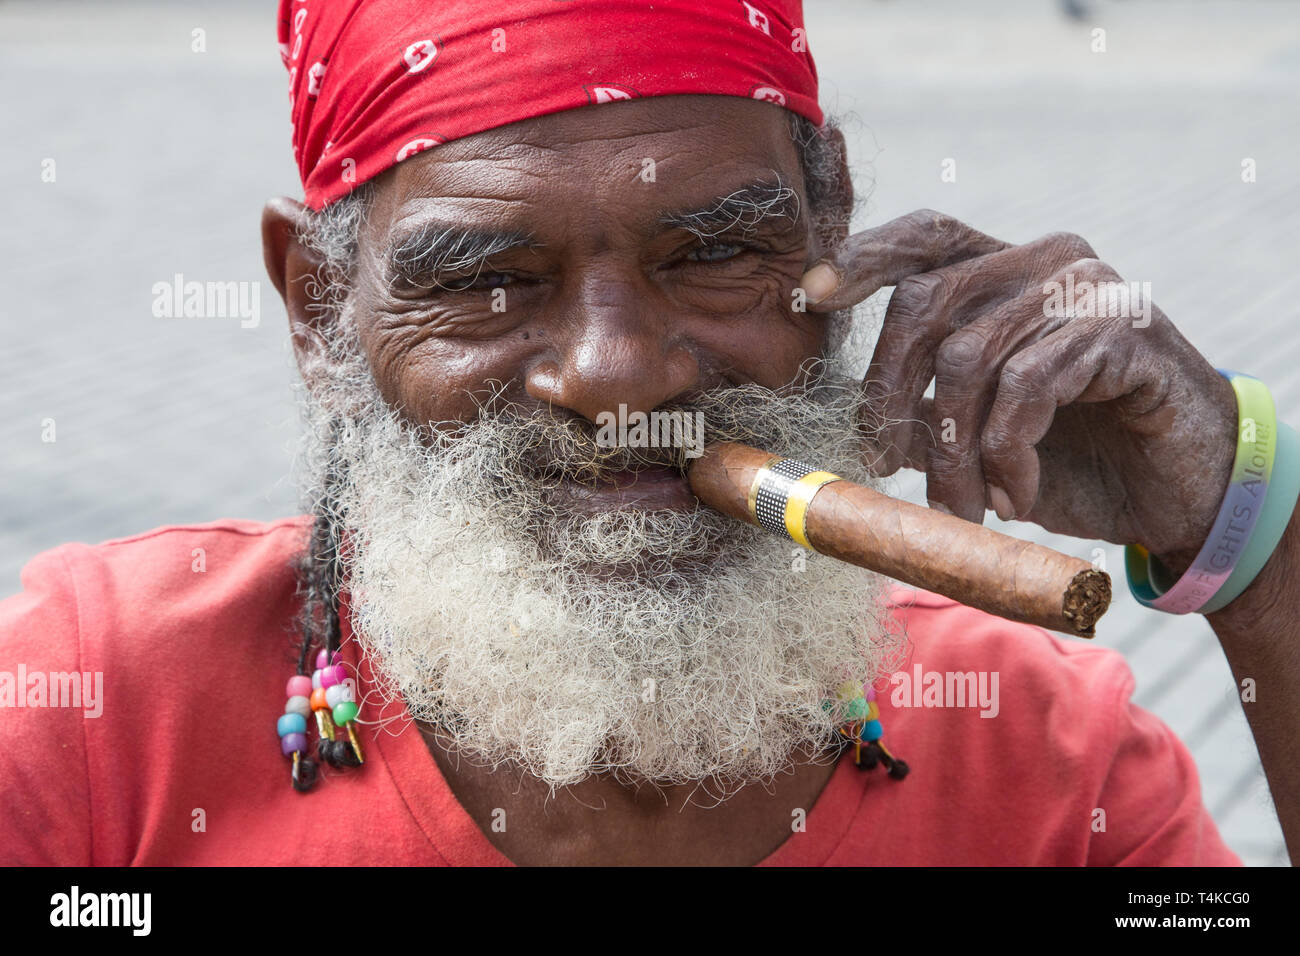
(164,156)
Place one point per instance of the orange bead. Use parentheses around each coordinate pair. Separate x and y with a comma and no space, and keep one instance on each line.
(318,701)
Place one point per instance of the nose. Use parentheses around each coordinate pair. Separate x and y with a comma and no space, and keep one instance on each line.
(614,350)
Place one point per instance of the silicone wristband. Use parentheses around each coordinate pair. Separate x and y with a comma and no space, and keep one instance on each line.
(1220,555)
(1274,517)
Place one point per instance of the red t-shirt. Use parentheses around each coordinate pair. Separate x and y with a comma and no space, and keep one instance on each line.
(183,765)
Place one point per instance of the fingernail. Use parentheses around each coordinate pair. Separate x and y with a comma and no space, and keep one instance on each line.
(819,282)
(1001,503)
(939,506)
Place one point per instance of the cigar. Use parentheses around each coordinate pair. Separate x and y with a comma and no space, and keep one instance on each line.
(973,565)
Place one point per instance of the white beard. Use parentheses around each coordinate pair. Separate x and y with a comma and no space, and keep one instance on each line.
(704,655)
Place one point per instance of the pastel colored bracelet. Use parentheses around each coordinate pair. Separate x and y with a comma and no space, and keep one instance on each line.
(1274,516)
(1256,510)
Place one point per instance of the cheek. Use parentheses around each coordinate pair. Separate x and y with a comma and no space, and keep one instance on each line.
(770,353)
(752,329)
(440,379)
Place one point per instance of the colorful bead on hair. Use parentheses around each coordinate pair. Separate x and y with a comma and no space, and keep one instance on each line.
(331,692)
(862,726)
(292,729)
(330,696)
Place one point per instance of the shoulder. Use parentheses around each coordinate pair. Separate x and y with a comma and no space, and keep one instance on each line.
(1043,708)
(167,596)
(987,708)
(155,643)
(173,556)
(168,573)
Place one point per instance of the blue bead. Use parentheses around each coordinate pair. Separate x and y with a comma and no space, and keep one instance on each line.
(291,724)
(872,730)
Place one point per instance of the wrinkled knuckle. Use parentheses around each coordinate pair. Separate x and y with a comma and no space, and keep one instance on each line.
(925,218)
(995,443)
(1069,246)
(1090,268)
(947,231)
(851,248)
(946,460)
(1020,376)
(961,353)
(942,458)
(939,228)
(918,296)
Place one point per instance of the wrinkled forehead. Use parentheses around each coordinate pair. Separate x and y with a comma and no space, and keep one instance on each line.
(617,169)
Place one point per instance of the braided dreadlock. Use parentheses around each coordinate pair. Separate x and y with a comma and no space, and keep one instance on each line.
(320,576)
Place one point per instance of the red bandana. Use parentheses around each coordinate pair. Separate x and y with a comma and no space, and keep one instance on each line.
(372,82)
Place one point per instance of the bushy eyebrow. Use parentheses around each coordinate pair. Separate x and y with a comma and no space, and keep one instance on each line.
(436,250)
(742,211)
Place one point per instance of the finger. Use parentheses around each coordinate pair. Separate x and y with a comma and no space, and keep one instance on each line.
(1073,364)
(967,368)
(867,261)
(1082,361)
(928,430)
(925,310)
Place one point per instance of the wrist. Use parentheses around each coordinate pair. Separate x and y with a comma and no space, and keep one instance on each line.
(1254,516)
(1270,592)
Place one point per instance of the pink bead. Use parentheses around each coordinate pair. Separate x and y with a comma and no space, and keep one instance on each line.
(322,659)
(298,686)
(868,692)
(334,674)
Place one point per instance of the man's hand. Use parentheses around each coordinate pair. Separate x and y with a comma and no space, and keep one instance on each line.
(1046,408)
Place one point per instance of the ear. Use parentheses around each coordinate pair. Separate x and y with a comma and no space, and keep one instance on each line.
(829,228)
(298,274)
(832,225)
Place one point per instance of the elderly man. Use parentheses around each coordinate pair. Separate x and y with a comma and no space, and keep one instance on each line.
(506,641)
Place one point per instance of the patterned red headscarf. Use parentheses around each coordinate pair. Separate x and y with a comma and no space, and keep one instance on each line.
(372,82)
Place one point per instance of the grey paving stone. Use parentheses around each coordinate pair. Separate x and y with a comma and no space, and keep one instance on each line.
(165,157)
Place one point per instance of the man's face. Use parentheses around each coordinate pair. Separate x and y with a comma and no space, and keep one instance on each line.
(514,603)
(645,252)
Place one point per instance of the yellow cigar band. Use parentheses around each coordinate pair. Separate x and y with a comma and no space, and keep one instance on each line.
(796,506)
(780,495)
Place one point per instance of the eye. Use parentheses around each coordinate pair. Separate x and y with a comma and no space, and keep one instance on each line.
(425,287)
(719,252)
(482,281)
